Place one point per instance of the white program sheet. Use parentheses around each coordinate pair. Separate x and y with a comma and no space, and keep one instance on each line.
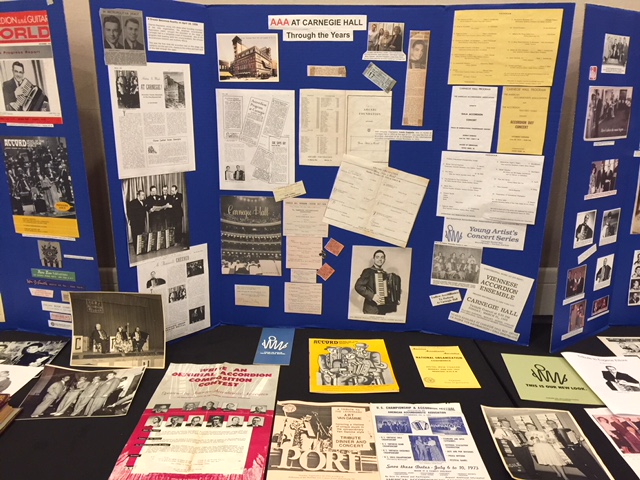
(378,202)
(487,186)
(334,123)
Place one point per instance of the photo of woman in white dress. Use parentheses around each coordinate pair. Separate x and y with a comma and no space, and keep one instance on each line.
(544,451)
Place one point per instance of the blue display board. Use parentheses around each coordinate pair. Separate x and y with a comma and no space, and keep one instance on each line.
(419,158)
(43,182)
(603,181)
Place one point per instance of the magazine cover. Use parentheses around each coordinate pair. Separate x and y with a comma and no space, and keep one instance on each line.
(350,366)
(313,440)
(212,421)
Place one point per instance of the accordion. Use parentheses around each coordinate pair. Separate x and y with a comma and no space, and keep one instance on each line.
(29,98)
(388,287)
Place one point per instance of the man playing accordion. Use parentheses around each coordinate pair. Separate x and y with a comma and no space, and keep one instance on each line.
(381,290)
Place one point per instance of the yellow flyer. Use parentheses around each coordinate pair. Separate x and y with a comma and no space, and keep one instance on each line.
(523,119)
(443,367)
(350,366)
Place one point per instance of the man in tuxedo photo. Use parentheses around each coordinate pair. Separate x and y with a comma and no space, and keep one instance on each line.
(9,91)
(137,215)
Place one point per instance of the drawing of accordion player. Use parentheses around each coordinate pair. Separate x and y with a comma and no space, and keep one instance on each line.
(381,290)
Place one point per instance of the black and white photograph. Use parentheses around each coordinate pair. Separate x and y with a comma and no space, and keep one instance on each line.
(577,316)
(635,220)
(634,285)
(248,57)
(161,408)
(174,90)
(190,406)
(392,424)
(194,421)
(174,421)
(235,421)
(177,293)
(123,37)
(30,353)
(541,444)
(258,409)
(235,175)
(39,177)
(600,306)
(209,406)
(418,53)
(50,254)
(156,207)
(576,278)
(24,85)
(195,268)
(255,422)
(455,265)
(615,54)
(117,330)
(603,179)
(251,229)
(385,37)
(215,421)
(448,425)
(603,272)
(634,299)
(609,228)
(622,346)
(14,377)
(426,448)
(154,422)
(68,393)
(379,283)
(608,113)
(584,230)
(127,89)
(197,314)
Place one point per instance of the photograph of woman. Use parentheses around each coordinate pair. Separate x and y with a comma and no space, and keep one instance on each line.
(544,451)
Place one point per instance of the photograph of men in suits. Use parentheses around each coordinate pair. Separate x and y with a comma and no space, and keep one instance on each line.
(152,205)
(584,230)
(604,272)
(111,31)
(137,215)
(131,32)
(618,381)
(100,339)
(176,213)
(55,392)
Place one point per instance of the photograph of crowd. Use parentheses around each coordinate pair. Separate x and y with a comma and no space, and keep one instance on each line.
(608,113)
(156,208)
(251,229)
(39,176)
(65,393)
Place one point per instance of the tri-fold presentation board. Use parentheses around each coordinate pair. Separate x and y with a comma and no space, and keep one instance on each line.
(342,167)
(47,244)
(599,269)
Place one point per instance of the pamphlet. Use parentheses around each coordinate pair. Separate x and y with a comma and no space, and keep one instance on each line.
(350,366)
(443,367)
(213,421)
(548,379)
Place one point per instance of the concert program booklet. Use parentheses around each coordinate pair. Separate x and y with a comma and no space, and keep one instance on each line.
(210,422)
(350,366)
(372,441)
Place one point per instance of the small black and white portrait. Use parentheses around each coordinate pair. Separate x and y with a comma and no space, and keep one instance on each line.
(585,224)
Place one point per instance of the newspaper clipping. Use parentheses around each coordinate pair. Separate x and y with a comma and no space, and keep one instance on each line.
(27,70)
(152,119)
(256,132)
(123,37)
(213,421)
(416,80)
(182,279)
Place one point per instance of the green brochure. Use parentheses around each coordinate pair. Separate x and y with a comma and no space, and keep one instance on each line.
(548,379)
